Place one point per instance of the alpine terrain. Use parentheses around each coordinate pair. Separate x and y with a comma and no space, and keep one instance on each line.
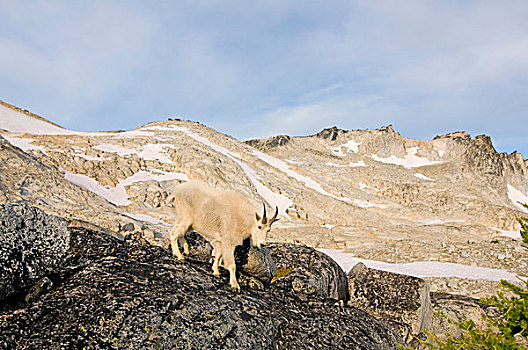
(432,224)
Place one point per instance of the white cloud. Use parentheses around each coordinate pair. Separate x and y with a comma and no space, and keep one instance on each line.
(75,54)
(271,67)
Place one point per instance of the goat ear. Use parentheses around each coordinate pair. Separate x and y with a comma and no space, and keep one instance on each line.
(257,216)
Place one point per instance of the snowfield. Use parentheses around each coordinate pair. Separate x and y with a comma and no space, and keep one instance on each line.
(517,196)
(20,123)
(24,144)
(308,182)
(149,151)
(423,269)
(118,195)
(351,146)
(505,233)
(411,160)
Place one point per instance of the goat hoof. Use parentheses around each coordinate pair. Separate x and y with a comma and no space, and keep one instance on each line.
(181,258)
(216,274)
(235,289)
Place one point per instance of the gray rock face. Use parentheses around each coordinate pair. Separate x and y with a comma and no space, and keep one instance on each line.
(32,244)
(308,271)
(399,300)
(131,295)
(457,308)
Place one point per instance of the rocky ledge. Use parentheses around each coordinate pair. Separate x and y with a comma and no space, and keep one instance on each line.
(128,294)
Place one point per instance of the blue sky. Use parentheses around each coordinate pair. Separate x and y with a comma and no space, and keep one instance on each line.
(262,68)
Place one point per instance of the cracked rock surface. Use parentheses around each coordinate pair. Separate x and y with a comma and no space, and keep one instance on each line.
(132,295)
(32,244)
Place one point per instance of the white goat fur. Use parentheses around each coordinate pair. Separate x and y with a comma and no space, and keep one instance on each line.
(224,218)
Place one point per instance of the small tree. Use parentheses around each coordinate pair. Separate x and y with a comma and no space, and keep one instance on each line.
(524,226)
(500,333)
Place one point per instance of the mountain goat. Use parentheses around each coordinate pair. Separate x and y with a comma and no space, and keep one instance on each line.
(224,218)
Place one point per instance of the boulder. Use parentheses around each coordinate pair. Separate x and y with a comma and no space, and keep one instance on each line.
(308,272)
(199,248)
(32,244)
(251,261)
(456,308)
(400,300)
(132,295)
(255,262)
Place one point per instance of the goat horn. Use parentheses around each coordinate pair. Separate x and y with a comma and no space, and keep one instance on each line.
(264,219)
(274,218)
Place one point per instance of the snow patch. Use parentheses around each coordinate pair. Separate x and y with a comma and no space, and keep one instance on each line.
(411,160)
(291,161)
(362,186)
(350,165)
(142,176)
(437,222)
(351,146)
(120,151)
(505,233)
(308,182)
(517,196)
(365,204)
(358,164)
(157,127)
(155,151)
(24,144)
(20,123)
(118,194)
(328,226)
(17,122)
(422,176)
(423,269)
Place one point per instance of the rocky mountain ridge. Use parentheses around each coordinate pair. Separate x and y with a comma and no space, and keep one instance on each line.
(360,190)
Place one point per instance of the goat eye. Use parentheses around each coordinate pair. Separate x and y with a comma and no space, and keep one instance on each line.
(260,227)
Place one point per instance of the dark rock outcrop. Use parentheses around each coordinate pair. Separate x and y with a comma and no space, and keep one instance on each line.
(308,272)
(330,133)
(32,244)
(255,262)
(251,261)
(272,142)
(399,300)
(132,295)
